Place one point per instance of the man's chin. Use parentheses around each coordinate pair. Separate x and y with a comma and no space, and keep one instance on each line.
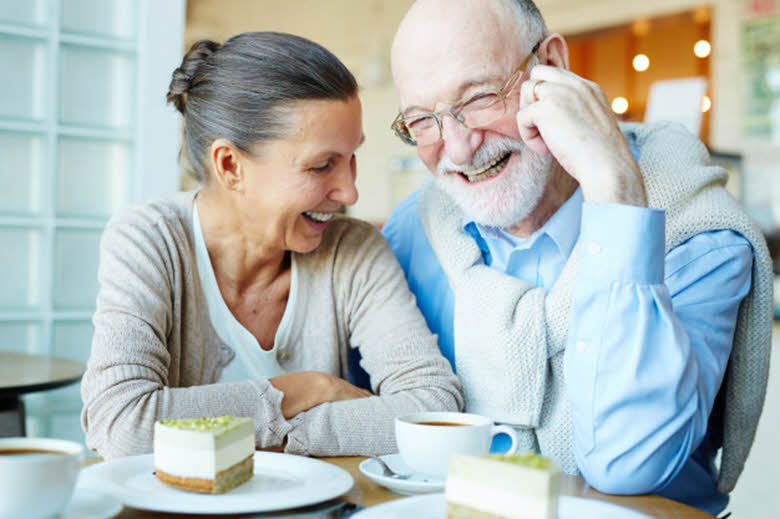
(500,201)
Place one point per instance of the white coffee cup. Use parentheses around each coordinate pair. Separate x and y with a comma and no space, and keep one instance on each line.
(37,485)
(427,448)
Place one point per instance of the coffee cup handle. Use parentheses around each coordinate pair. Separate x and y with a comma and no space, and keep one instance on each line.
(510,431)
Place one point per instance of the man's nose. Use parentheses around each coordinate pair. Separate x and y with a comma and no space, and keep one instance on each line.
(460,142)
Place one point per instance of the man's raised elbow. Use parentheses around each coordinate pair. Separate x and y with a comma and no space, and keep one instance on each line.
(626,477)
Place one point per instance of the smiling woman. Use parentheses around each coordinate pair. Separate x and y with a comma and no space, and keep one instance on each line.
(245,297)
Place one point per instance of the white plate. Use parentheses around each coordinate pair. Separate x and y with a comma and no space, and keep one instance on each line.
(417,484)
(281,481)
(433,506)
(89,504)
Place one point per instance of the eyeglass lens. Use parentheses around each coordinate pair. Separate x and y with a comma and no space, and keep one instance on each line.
(477,112)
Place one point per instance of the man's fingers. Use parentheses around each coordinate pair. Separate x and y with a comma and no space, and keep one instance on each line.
(556,75)
(565,77)
(528,130)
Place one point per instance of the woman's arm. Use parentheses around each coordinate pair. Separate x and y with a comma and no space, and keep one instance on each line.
(400,354)
(306,389)
(138,352)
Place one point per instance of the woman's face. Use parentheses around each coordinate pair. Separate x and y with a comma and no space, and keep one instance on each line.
(295,184)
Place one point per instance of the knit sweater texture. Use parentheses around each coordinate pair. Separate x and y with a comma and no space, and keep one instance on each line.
(155,354)
(510,336)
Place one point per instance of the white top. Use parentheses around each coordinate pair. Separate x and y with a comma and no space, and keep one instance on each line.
(251,361)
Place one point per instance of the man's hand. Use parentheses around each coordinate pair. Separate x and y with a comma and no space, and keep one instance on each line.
(570,117)
(306,389)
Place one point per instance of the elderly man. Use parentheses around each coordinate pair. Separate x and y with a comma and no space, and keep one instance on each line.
(586,281)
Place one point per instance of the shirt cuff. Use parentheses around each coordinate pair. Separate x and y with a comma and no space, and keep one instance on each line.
(622,243)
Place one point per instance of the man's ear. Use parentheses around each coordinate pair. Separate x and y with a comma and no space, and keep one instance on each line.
(227,164)
(553,51)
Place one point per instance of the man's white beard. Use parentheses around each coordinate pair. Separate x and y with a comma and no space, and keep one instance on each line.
(501,201)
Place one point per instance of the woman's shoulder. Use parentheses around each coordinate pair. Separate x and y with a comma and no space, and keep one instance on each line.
(346,243)
(347,232)
(173,210)
(153,229)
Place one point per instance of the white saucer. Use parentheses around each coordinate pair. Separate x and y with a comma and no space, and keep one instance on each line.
(417,484)
(280,482)
(90,504)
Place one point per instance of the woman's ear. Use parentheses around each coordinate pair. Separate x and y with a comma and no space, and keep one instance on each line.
(553,51)
(226,161)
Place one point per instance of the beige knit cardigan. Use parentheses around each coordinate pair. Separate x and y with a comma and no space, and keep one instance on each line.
(155,354)
(510,336)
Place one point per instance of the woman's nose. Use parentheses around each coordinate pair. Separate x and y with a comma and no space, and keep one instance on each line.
(344,190)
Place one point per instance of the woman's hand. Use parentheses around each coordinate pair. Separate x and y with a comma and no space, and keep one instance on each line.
(306,389)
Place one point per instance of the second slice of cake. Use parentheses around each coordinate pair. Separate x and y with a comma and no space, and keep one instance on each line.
(208,455)
(512,487)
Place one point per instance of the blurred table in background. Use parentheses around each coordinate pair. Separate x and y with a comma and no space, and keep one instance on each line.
(21,373)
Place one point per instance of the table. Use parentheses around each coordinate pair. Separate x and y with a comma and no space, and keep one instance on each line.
(21,373)
(367,493)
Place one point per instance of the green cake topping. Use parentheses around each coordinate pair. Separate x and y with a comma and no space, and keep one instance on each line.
(218,424)
(527,459)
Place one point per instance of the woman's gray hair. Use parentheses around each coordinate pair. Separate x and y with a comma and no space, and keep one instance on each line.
(242,90)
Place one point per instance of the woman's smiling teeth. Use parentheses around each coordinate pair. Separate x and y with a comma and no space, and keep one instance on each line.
(318,217)
(491,170)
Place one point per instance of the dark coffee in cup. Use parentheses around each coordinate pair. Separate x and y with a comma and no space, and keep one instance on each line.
(21,452)
(37,476)
(427,440)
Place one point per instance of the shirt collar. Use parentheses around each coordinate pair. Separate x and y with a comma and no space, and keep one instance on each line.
(563,227)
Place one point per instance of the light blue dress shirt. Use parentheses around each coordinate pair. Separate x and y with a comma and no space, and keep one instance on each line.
(649,338)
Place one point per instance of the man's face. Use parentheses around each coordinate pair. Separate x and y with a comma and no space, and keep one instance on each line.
(488,171)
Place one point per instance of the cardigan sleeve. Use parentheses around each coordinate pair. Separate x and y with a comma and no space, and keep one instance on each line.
(407,371)
(137,354)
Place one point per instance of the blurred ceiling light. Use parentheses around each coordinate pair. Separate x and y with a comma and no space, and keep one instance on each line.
(706,104)
(620,105)
(641,62)
(702,48)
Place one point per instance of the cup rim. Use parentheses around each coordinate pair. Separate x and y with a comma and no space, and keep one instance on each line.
(66,447)
(467,419)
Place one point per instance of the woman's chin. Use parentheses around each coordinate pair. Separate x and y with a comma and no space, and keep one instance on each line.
(306,244)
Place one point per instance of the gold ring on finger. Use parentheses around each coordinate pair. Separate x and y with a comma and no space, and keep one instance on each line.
(535,93)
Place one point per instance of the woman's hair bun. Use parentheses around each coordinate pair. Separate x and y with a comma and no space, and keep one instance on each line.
(183,77)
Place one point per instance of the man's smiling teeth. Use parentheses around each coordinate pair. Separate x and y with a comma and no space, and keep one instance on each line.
(319,217)
(490,171)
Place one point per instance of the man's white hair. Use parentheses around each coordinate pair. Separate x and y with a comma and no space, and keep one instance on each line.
(530,18)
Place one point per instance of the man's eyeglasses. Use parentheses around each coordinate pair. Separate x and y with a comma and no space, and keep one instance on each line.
(477,111)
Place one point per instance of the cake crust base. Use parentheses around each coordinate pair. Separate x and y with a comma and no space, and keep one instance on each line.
(465,512)
(224,481)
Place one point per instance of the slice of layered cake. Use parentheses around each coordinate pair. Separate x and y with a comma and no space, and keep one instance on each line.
(209,455)
(522,486)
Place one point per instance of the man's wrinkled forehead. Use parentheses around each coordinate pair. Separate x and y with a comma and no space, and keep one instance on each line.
(438,52)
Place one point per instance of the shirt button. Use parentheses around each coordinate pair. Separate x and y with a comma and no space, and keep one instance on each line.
(281,355)
(581,346)
(594,248)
